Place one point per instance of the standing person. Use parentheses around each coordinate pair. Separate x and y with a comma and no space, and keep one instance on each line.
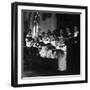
(68,35)
(76,39)
(76,46)
(69,43)
(61,38)
(61,52)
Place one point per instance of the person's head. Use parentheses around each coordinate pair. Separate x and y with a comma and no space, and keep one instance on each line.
(43,33)
(68,30)
(75,28)
(61,31)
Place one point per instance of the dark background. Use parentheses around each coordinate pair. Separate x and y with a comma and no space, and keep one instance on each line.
(36,66)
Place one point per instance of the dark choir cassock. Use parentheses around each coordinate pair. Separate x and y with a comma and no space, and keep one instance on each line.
(73,52)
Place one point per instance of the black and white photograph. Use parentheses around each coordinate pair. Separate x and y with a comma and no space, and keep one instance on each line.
(49,43)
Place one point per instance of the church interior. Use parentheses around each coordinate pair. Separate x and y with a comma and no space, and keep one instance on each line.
(51,43)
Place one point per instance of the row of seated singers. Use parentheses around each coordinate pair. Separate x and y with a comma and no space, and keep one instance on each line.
(49,41)
(51,37)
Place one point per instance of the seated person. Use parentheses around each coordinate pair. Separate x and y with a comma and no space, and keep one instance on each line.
(60,44)
(29,43)
(52,40)
(43,51)
(46,39)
